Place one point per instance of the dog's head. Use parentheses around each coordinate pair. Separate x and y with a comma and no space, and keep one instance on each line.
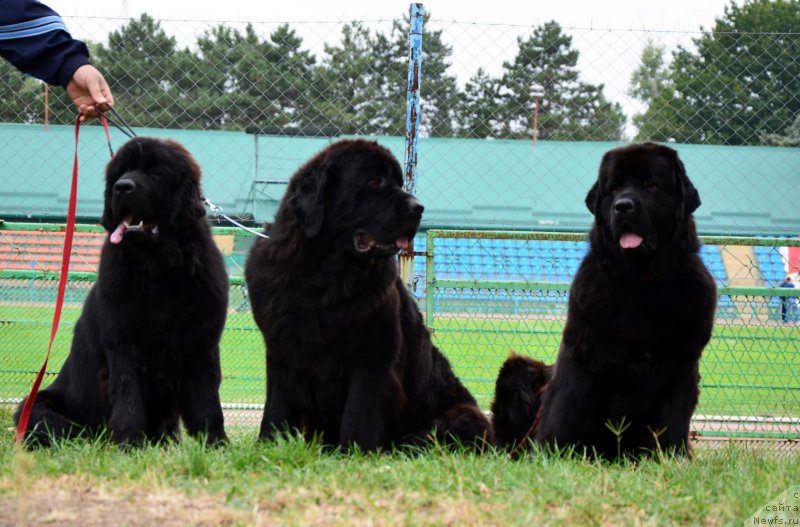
(642,200)
(350,196)
(152,187)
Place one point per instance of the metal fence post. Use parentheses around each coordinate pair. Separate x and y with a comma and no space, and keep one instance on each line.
(429,278)
(412,127)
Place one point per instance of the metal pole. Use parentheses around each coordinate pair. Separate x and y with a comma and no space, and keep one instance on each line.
(46,106)
(429,279)
(412,128)
(537,92)
(255,157)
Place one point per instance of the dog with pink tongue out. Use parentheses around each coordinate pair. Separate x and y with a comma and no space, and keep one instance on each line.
(640,312)
(144,358)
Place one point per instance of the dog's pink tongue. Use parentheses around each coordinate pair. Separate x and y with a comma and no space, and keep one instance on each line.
(402,243)
(116,236)
(630,240)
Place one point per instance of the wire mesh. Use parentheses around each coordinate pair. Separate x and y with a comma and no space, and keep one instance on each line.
(514,121)
(493,293)
(26,309)
(514,117)
(485,294)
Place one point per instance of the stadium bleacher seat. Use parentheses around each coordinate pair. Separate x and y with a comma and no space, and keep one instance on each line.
(713,259)
(546,261)
(543,261)
(771,265)
(505,259)
(41,250)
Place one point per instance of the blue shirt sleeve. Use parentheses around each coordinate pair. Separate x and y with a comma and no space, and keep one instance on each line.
(35,39)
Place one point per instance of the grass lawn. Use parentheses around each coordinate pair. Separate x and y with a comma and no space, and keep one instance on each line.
(746,370)
(290,483)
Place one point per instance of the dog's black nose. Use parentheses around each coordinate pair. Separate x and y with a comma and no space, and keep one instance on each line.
(124,186)
(415,206)
(623,206)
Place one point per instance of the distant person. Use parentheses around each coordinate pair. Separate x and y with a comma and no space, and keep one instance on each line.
(788,303)
(35,40)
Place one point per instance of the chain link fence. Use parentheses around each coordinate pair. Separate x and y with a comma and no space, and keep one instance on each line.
(514,121)
(491,293)
(484,293)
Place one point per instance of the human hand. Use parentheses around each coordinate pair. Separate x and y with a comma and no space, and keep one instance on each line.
(88,88)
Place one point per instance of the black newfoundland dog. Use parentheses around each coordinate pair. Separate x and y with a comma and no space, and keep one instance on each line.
(641,310)
(349,359)
(145,352)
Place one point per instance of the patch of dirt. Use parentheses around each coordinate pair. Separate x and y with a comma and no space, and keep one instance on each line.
(70,501)
(317,507)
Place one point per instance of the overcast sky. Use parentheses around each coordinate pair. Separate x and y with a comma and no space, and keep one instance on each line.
(620,14)
(606,57)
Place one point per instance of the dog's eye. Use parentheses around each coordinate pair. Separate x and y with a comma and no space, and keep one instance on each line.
(649,184)
(376,182)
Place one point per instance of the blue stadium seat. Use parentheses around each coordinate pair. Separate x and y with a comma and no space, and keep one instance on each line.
(771,264)
(713,260)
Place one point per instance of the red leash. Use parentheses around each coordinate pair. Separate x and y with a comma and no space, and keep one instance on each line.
(62,281)
(528,435)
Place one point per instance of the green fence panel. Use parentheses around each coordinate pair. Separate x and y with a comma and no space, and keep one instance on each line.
(750,384)
(484,294)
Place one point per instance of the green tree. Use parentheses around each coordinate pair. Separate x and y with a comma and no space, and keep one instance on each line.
(21,97)
(480,107)
(150,76)
(291,69)
(249,80)
(790,138)
(570,108)
(740,85)
(363,81)
(349,84)
(217,102)
(650,80)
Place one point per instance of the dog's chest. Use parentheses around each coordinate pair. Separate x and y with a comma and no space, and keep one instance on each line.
(327,343)
(646,311)
(158,311)
(324,344)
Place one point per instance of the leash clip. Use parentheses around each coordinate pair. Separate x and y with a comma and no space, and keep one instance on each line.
(217,211)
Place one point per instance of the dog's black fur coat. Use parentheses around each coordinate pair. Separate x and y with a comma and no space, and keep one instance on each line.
(517,393)
(637,321)
(349,359)
(145,350)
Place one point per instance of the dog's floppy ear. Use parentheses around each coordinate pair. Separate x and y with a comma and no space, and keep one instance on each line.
(591,198)
(688,193)
(308,201)
(106,220)
(192,193)
(112,174)
(194,196)
(187,204)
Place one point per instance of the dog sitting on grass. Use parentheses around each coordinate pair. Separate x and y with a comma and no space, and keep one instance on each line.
(145,350)
(640,312)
